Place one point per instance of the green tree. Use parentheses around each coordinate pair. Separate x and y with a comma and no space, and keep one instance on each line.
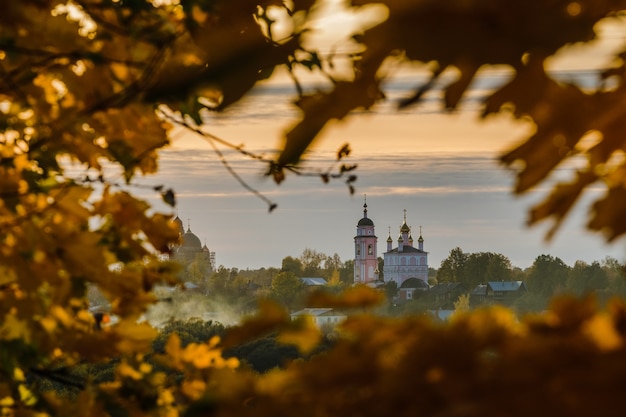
(452,268)
(391,290)
(292,265)
(547,276)
(346,273)
(286,288)
(616,275)
(218,281)
(585,278)
(331,264)
(312,262)
(482,267)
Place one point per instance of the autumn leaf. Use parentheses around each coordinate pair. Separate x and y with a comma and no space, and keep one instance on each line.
(359,296)
(270,317)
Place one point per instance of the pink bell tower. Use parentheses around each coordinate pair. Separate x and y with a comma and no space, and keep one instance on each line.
(365,254)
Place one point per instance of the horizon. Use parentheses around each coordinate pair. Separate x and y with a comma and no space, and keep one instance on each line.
(442,168)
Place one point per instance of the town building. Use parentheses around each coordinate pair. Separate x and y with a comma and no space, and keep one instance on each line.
(191,252)
(407,290)
(497,292)
(365,254)
(321,317)
(405,261)
(400,263)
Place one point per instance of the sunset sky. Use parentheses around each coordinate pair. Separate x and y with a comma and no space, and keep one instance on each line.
(441,168)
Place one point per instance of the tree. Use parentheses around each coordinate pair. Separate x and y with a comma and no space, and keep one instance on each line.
(199,270)
(452,268)
(312,262)
(391,290)
(462,304)
(332,263)
(218,281)
(286,288)
(584,278)
(483,267)
(547,275)
(89,90)
(292,265)
(346,273)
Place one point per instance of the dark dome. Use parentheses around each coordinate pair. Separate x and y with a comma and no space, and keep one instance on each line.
(365,222)
(191,241)
(414,283)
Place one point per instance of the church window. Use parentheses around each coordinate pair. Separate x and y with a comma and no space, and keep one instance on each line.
(358,250)
(413,261)
(403,261)
(369,232)
(369,249)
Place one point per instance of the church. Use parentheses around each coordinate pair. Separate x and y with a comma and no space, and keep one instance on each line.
(401,263)
(191,249)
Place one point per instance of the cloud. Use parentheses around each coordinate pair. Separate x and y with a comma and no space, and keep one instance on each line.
(442,168)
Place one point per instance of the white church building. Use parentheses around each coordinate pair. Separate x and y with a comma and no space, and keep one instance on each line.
(403,262)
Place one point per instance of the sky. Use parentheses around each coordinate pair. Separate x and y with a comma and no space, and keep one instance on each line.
(442,168)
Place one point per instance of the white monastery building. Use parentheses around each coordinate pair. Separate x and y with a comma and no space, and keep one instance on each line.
(405,261)
(400,263)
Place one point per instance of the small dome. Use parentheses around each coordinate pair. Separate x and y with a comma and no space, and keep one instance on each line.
(190,240)
(365,222)
(389,239)
(405,228)
(179,223)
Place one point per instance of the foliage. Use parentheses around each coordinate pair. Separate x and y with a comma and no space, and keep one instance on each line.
(462,304)
(293,265)
(452,268)
(286,288)
(189,331)
(89,90)
(547,275)
(472,269)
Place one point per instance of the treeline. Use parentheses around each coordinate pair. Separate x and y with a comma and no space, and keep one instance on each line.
(548,276)
(228,293)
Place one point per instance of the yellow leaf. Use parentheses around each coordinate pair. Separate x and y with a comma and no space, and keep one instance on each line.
(134,337)
(193,389)
(7,402)
(14,328)
(125,369)
(172,347)
(198,14)
(165,398)
(26,396)
(601,330)
(304,334)
(274,382)
(354,297)
(18,375)
(269,318)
